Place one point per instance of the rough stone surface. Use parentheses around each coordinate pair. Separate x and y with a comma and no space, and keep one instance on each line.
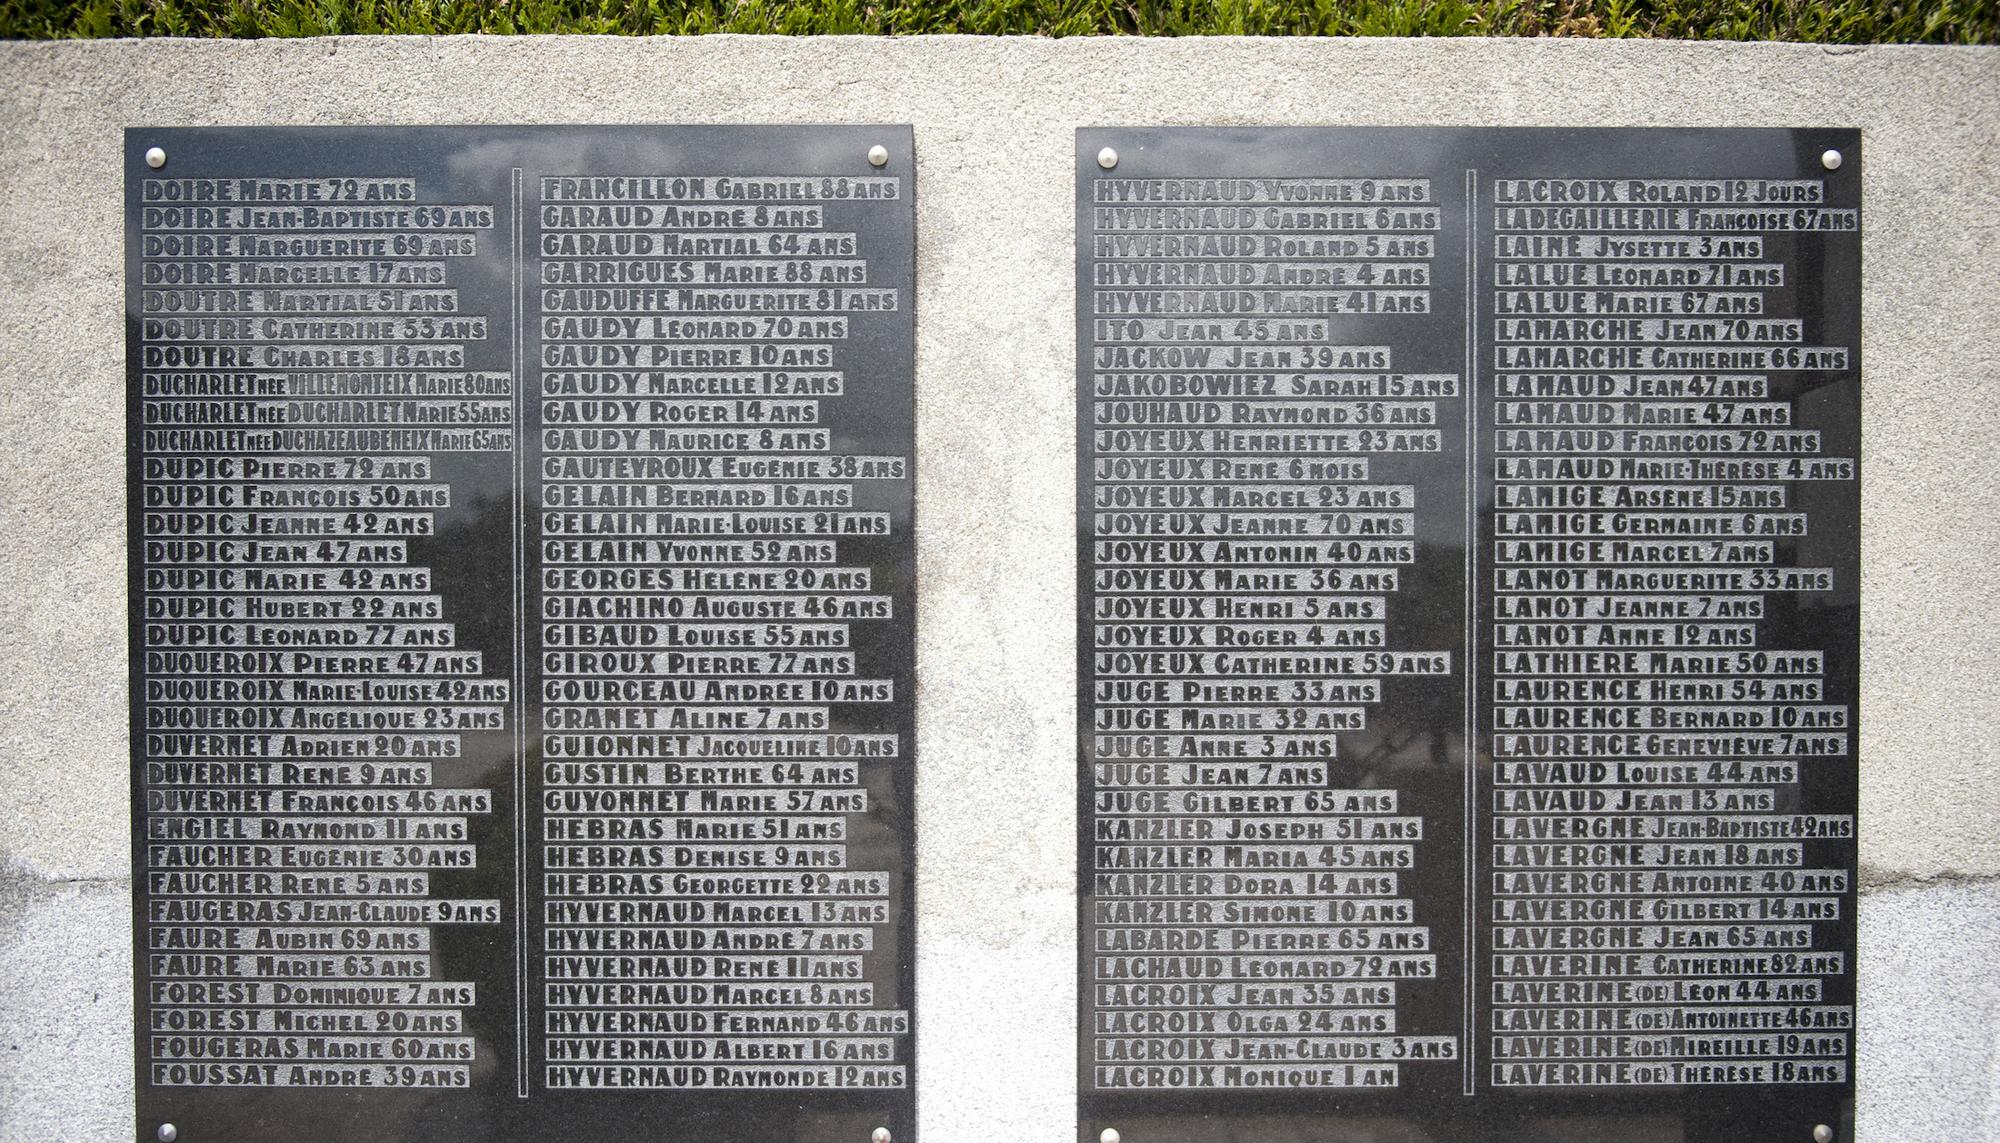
(1928,1050)
(994,123)
(65,1011)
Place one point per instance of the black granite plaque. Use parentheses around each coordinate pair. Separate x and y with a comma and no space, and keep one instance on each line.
(1467,642)
(521,632)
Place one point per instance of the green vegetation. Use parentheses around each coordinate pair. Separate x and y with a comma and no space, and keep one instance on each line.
(1819,21)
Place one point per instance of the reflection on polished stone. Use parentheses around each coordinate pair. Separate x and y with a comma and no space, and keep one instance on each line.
(523,567)
(1467,698)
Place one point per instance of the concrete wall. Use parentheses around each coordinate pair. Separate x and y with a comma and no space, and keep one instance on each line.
(994,123)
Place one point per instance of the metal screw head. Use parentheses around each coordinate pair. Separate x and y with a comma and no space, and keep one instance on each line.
(1823,1133)
(878,155)
(1831,161)
(880,1134)
(1108,158)
(167,1132)
(1109,1134)
(156,158)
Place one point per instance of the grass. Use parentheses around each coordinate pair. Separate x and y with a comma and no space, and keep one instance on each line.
(1816,21)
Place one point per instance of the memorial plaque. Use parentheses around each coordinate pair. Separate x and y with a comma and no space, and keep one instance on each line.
(1468,633)
(521,589)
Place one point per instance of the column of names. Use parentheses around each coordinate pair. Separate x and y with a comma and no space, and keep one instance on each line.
(1656,917)
(304,371)
(1251,923)
(706,589)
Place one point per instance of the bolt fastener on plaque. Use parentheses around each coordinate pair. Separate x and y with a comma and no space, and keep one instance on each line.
(1823,1133)
(1108,158)
(1831,161)
(878,155)
(167,1132)
(1109,1134)
(880,1134)
(156,158)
